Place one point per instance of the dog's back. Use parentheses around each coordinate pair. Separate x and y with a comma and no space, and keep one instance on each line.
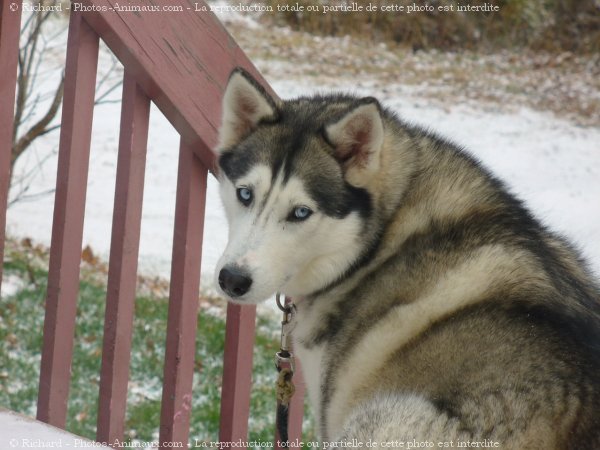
(486,325)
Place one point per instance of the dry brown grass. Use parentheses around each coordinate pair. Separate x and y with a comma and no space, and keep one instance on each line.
(565,83)
(551,25)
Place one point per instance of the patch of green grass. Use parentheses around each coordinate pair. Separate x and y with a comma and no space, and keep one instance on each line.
(21,325)
(21,329)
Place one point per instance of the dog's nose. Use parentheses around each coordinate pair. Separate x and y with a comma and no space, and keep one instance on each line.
(234,281)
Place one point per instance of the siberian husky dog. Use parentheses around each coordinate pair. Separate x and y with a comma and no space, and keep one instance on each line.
(432,308)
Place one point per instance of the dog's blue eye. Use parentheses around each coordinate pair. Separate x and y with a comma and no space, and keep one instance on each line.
(244,195)
(300,213)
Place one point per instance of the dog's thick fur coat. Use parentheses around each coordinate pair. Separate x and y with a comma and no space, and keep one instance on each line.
(431,304)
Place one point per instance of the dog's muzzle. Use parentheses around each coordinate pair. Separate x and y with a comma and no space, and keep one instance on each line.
(234,281)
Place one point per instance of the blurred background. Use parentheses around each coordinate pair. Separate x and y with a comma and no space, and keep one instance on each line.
(541,25)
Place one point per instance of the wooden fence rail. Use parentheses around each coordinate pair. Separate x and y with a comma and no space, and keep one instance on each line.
(180,60)
(67,227)
(9,55)
(120,292)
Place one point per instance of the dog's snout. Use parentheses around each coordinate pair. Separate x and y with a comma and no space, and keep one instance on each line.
(234,281)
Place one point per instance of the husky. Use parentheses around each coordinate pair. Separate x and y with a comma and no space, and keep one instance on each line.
(433,309)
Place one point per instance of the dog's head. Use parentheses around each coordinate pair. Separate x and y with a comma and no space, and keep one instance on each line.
(294,179)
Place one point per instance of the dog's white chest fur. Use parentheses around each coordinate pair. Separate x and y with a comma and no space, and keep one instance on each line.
(312,362)
(311,358)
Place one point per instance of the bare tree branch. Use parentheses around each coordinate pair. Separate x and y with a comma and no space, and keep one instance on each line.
(39,128)
(106,75)
(109,102)
(36,48)
(21,186)
(27,60)
(23,197)
(31,107)
(21,98)
(100,100)
(26,23)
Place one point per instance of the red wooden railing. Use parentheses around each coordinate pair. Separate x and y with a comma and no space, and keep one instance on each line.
(180,60)
(9,53)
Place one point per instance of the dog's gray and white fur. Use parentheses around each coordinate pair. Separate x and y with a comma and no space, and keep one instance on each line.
(431,304)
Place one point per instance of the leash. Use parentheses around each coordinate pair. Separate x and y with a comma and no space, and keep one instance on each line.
(284,362)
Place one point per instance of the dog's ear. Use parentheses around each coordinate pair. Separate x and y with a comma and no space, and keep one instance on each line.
(245,105)
(357,139)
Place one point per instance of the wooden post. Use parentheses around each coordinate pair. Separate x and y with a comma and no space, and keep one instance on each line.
(67,228)
(122,273)
(183,300)
(10,24)
(237,372)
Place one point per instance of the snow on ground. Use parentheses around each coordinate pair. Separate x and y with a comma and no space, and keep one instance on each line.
(551,163)
(18,432)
